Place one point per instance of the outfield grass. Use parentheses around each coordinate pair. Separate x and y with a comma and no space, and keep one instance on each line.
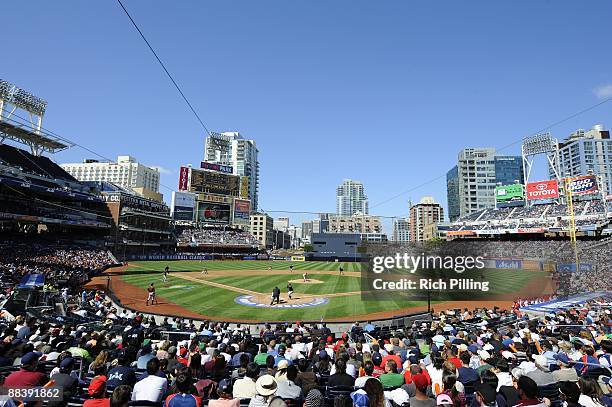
(219,302)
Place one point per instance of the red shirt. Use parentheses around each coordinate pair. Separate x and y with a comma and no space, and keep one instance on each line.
(97,403)
(408,376)
(456,362)
(398,361)
(25,378)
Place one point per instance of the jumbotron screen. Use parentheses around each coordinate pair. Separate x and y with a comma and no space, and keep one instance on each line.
(209,212)
(215,182)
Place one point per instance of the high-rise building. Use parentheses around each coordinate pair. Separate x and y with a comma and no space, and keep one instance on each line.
(261,227)
(401,230)
(306,231)
(357,223)
(230,148)
(351,198)
(587,151)
(452,193)
(426,212)
(281,223)
(479,171)
(126,173)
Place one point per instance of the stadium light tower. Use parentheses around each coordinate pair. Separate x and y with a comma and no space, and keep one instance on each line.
(537,145)
(12,126)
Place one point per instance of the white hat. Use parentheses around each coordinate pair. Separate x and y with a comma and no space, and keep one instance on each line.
(540,360)
(484,355)
(508,355)
(388,347)
(488,346)
(463,347)
(266,385)
(283,364)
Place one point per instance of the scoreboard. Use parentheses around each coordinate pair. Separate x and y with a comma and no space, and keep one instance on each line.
(214,182)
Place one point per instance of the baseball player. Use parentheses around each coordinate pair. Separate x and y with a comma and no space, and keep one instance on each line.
(151,296)
(290,290)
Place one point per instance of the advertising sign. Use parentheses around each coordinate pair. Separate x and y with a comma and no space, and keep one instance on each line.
(571,267)
(509,264)
(531,230)
(506,193)
(215,198)
(244,187)
(586,184)
(228,169)
(543,190)
(209,212)
(183,179)
(182,213)
(298,258)
(242,209)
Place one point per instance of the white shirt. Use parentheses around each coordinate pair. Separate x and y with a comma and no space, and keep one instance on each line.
(150,388)
(360,381)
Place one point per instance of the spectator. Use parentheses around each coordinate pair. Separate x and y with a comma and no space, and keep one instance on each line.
(420,398)
(224,391)
(528,392)
(368,370)
(182,396)
(152,387)
(287,389)
(97,393)
(121,374)
(245,388)
(340,378)
(265,387)
(121,396)
(65,381)
(27,376)
(391,378)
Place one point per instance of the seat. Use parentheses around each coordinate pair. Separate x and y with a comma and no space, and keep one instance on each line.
(552,393)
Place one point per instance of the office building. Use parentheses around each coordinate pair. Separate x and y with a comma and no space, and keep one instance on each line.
(351,198)
(306,231)
(587,151)
(479,170)
(357,223)
(426,212)
(401,230)
(231,149)
(126,173)
(262,228)
(281,223)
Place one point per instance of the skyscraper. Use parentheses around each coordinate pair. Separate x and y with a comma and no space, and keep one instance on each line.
(426,212)
(478,171)
(351,198)
(584,151)
(230,148)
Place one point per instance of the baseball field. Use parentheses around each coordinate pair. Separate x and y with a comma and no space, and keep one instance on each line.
(241,290)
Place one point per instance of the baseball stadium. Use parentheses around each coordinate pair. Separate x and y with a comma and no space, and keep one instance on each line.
(113,294)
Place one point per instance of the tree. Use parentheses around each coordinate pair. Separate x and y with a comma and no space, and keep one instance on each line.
(308,248)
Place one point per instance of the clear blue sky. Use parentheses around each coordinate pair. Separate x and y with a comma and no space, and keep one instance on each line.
(382,92)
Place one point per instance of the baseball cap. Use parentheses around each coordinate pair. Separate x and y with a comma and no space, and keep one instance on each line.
(420,381)
(484,355)
(225,386)
(473,348)
(487,393)
(360,399)
(97,384)
(376,358)
(444,399)
(30,358)
(562,357)
(283,364)
(323,355)
(67,363)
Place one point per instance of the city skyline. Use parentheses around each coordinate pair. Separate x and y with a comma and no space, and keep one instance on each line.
(490,98)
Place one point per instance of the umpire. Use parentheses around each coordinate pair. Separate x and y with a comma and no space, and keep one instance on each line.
(275,295)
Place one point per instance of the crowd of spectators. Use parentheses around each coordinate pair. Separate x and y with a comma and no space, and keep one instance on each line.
(57,263)
(547,216)
(229,237)
(481,357)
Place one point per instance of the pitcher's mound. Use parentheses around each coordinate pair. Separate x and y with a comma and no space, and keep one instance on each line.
(309,281)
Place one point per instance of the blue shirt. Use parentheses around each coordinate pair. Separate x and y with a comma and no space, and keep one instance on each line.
(181,400)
